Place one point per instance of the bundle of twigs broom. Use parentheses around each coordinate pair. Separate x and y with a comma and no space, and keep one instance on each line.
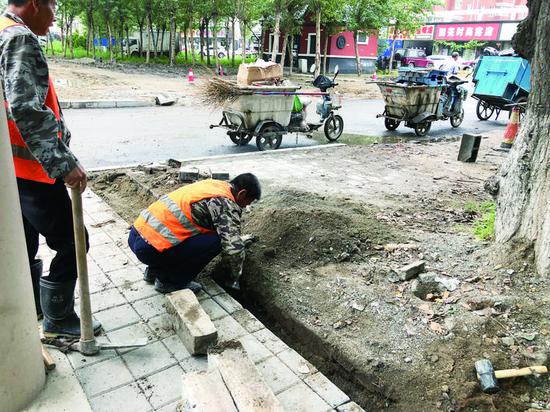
(218,91)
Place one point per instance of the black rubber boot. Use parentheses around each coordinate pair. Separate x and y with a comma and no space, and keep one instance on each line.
(36,274)
(60,319)
(168,287)
(149,275)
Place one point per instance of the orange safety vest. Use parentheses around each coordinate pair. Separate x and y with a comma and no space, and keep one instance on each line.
(168,221)
(26,165)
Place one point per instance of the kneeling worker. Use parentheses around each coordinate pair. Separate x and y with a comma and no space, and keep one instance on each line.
(178,235)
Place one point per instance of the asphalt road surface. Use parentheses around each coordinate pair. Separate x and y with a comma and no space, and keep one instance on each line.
(118,137)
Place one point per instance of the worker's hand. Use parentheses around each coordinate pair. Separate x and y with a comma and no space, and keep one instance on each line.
(76,178)
(248,239)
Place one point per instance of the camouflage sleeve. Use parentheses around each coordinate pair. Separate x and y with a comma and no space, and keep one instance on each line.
(25,74)
(226,218)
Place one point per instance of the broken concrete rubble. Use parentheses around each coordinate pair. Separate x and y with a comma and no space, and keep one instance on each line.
(430,284)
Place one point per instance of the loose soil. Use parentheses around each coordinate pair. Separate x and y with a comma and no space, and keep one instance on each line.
(334,227)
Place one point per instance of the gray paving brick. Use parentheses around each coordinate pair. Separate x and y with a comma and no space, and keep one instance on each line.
(202,295)
(102,252)
(350,407)
(137,291)
(247,320)
(194,364)
(271,341)
(131,334)
(172,407)
(127,275)
(276,374)
(211,287)
(117,317)
(161,326)
(176,347)
(297,363)
(93,268)
(98,282)
(228,329)
(300,398)
(148,360)
(153,306)
(111,263)
(326,390)
(99,238)
(256,351)
(80,361)
(106,299)
(103,376)
(212,309)
(129,398)
(227,302)
(164,387)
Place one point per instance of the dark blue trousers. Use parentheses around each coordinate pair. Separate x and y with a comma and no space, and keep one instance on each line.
(180,264)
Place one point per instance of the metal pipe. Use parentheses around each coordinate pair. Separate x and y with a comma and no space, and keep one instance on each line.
(22,373)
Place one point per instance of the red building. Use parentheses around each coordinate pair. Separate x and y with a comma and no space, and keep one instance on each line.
(340,51)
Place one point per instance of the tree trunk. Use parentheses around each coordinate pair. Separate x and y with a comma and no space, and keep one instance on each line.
(201,39)
(128,40)
(283,52)
(172,40)
(290,47)
(276,36)
(215,43)
(185,44)
(141,24)
(227,39)
(318,41)
(357,58)
(71,45)
(233,41)
(109,41)
(523,211)
(193,46)
(207,24)
(325,53)
(392,52)
(149,38)
(243,40)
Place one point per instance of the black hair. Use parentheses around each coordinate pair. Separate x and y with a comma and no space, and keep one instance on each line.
(18,3)
(248,182)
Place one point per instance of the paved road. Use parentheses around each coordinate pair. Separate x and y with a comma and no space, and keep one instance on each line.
(116,137)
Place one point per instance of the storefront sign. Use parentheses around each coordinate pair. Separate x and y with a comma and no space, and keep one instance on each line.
(467,31)
(423,33)
(507,31)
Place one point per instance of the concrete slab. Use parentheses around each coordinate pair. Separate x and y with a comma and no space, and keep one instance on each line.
(227,302)
(327,390)
(148,359)
(247,387)
(162,326)
(129,398)
(350,407)
(213,309)
(206,392)
(131,333)
(229,329)
(297,363)
(271,342)
(277,375)
(256,351)
(137,291)
(127,274)
(194,364)
(163,387)
(211,287)
(106,299)
(62,391)
(176,347)
(300,398)
(104,376)
(247,320)
(191,322)
(150,307)
(118,317)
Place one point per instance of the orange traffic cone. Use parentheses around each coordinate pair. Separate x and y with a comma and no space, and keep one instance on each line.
(191,76)
(511,130)
(221,70)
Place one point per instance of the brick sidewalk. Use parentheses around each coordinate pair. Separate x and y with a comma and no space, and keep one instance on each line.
(149,378)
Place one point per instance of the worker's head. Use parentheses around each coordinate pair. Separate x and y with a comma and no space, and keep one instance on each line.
(455,55)
(38,15)
(246,189)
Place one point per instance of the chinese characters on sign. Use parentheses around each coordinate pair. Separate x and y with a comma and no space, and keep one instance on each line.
(423,33)
(467,31)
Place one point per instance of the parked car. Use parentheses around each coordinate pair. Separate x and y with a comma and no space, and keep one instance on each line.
(414,58)
(440,60)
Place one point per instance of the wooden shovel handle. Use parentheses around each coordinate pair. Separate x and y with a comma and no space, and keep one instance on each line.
(49,363)
(512,373)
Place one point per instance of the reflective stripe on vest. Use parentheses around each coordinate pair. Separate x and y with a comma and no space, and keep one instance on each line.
(26,165)
(169,221)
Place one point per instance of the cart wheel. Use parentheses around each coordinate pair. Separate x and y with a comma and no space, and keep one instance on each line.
(269,137)
(484,110)
(422,129)
(240,138)
(391,124)
(456,120)
(334,126)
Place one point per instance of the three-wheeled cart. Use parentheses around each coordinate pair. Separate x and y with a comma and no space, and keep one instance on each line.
(501,82)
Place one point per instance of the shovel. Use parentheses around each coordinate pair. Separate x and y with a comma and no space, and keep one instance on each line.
(87,345)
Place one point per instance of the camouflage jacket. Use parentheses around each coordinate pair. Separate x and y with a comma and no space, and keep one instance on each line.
(24,73)
(224,216)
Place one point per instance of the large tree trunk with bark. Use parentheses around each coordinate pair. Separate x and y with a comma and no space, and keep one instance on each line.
(523,201)
(318,41)
(276,36)
(356,48)
(283,52)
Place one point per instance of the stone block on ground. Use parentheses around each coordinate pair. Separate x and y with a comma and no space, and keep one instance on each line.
(247,387)
(194,174)
(192,324)
(411,270)
(164,100)
(206,392)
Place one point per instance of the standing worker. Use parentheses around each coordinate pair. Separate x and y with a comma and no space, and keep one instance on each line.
(44,164)
(178,235)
